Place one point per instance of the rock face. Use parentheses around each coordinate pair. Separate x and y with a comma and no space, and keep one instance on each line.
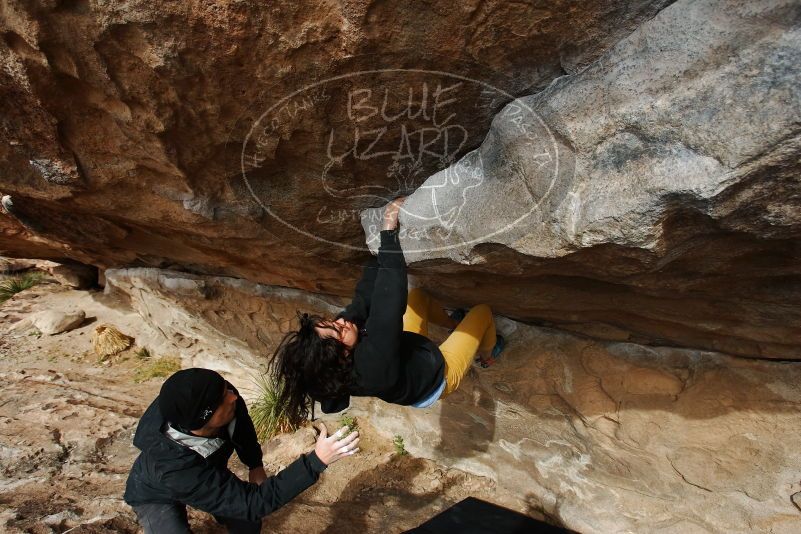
(245,140)
(619,196)
(597,436)
(627,170)
(127,123)
(224,323)
(617,437)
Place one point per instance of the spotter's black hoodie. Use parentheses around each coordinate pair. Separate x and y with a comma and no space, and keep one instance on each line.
(169,472)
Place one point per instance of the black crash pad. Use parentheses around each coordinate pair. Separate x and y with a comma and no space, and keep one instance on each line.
(474,516)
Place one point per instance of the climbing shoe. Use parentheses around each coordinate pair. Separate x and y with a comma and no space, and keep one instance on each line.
(500,344)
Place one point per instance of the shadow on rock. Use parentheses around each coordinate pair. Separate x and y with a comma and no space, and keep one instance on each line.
(396,485)
(467,420)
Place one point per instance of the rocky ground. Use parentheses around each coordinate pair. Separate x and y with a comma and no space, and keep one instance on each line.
(597,436)
(66,423)
(627,171)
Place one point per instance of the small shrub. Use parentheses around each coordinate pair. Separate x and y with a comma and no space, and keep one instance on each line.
(161,367)
(16,284)
(350,422)
(400,448)
(269,418)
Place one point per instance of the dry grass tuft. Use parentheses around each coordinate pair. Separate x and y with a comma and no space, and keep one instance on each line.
(108,341)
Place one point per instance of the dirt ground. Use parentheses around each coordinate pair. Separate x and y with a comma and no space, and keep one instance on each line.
(66,423)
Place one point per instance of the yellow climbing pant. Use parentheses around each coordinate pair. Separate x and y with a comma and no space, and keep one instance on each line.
(476,331)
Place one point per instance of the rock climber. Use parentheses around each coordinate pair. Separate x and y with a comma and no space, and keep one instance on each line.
(378,345)
(186,437)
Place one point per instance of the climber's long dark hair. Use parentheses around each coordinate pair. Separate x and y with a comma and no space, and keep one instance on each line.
(305,365)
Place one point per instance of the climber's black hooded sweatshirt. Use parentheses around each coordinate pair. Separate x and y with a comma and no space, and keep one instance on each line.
(169,472)
(388,363)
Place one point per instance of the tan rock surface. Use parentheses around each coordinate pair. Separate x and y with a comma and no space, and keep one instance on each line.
(127,129)
(127,122)
(617,195)
(598,436)
(51,322)
(225,146)
(66,424)
(702,443)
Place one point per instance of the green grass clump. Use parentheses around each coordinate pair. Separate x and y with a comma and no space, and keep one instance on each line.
(161,367)
(400,448)
(16,284)
(350,422)
(269,417)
